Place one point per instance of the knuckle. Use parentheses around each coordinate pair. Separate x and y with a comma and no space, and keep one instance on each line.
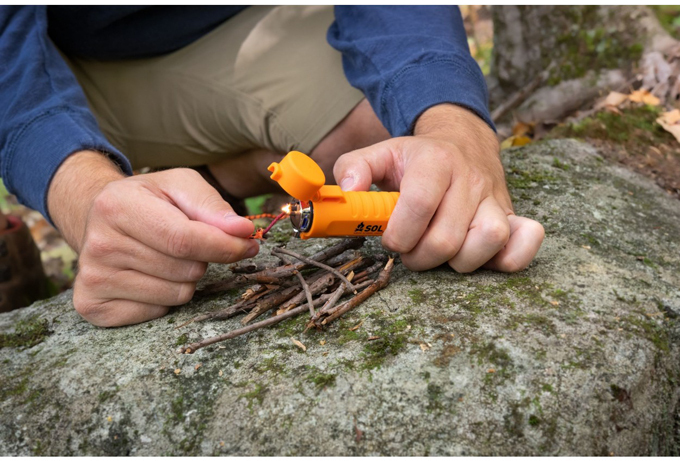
(98,246)
(107,203)
(495,232)
(89,276)
(444,244)
(421,202)
(179,244)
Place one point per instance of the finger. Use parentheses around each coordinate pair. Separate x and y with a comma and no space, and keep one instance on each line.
(99,283)
(201,202)
(488,234)
(124,252)
(357,170)
(422,192)
(163,227)
(446,232)
(526,237)
(119,312)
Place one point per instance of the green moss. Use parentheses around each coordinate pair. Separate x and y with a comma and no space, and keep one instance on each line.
(28,333)
(528,179)
(534,420)
(557,163)
(417,296)
(647,329)
(587,45)
(320,379)
(547,388)
(635,126)
(182,340)
(257,394)
(434,398)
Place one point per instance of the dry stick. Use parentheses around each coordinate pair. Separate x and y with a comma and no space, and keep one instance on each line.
(318,264)
(271,275)
(380,283)
(303,282)
(191,348)
(230,311)
(271,301)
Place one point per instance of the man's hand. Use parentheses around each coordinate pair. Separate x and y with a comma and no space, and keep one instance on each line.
(144,241)
(454,205)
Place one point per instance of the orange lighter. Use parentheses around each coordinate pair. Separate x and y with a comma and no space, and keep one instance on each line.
(319,210)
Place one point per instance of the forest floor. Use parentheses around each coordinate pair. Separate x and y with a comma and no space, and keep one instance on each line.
(628,134)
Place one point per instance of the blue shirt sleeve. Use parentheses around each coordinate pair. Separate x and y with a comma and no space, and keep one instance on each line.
(44,116)
(407,59)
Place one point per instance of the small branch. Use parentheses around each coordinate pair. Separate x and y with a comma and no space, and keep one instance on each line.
(303,282)
(272,275)
(318,264)
(380,283)
(191,348)
(269,302)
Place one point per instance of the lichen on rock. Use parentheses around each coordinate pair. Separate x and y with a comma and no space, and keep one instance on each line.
(576,355)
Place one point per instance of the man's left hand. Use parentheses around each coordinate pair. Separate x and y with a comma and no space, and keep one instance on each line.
(454,205)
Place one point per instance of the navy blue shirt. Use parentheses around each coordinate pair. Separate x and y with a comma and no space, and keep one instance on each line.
(405,59)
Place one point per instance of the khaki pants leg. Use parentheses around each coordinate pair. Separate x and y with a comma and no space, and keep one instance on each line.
(265,79)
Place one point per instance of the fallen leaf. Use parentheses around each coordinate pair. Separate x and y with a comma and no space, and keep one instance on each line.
(515,141)
(109,419)
(178,371)
(357,326)
(555,303)
(615,99)
(669,122)
(491,370)
(522,128)
(222,443)
(299,344)
(424,347)
(198,365)
(220,373)
(644,97)
(372,338)
(585,247)
(322,342)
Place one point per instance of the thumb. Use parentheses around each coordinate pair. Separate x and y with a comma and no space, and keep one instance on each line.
(201,202)
(357,170)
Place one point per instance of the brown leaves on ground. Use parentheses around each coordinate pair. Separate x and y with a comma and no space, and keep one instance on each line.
(670,121)
(299,344)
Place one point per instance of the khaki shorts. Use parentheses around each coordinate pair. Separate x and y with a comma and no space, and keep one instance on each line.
(265,79)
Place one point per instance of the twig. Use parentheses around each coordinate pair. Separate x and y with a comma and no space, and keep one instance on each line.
(303,282)
(247,267)
(272,275)
(316,263)
(191,348)
(379,284)
(267,303)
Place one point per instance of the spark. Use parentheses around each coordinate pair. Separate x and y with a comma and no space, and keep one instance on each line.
(286,209)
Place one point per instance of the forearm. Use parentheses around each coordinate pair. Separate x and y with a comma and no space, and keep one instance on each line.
(72,190)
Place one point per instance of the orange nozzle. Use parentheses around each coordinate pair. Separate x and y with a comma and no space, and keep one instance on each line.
(328,211)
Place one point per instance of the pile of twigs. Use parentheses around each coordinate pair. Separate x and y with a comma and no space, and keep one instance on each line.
(330,274)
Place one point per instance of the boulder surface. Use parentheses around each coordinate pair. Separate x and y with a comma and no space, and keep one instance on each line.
(577,355)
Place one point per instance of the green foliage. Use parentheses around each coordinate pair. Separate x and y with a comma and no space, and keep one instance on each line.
(27,333)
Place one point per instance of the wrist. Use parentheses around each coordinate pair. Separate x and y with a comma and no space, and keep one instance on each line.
(79,179)
(458,125)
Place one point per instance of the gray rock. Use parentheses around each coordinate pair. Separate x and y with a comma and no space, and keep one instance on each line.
(576,355)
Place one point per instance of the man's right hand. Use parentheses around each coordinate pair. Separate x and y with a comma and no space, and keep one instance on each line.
(144,241)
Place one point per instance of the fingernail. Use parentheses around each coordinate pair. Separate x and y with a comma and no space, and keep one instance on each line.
(252,251)
(347,183)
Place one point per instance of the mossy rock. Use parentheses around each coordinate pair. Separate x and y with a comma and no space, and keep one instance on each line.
(577,355)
